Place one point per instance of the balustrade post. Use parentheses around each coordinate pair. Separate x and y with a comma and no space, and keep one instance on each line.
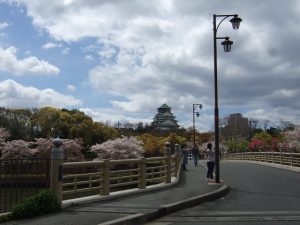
(266,157)
(281,158)
(168,161)
(105,187)
(168,148)
(56,169)
(142,175)
(168,169)
(291,158)
(177,158)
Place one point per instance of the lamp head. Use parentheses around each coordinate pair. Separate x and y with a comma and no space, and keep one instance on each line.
(235,21)
(227,44)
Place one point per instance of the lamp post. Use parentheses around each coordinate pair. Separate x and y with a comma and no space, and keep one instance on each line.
(227,47)
(197,114)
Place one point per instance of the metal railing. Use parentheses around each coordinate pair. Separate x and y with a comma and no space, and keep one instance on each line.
(103,177)
(283,158)
(20,178)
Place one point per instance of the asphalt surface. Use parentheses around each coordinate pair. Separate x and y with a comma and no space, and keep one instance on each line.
(258,195)
(192,189)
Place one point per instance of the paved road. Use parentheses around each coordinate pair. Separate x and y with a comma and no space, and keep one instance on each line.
(259,195)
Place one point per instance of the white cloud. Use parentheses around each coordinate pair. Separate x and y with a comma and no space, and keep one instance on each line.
(66,51)
(51,45)
(111,115)
(15,95)
(3,25)
(89,57)
(274,115)
(32,65)
(71,87)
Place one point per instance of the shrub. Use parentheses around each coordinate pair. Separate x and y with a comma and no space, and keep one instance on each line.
(42,203)
(5,217)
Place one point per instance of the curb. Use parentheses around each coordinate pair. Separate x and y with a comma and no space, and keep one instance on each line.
(269,164)
(141,218)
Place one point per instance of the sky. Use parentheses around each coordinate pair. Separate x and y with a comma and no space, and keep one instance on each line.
(119,60)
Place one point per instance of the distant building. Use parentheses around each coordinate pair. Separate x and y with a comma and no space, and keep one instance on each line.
(164,120)
(236,126)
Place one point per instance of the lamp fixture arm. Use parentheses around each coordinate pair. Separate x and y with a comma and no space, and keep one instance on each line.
(225,17)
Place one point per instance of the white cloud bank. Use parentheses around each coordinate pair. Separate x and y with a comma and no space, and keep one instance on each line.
(152,52)
(15,95)
(30,65)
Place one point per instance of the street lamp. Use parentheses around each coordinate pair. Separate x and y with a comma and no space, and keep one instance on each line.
(197,113)
(235,21)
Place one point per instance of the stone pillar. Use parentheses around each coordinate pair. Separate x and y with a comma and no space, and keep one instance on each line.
(177,158)
(56,169)
(168,148)
(105,190)
(142,173)
(168,161)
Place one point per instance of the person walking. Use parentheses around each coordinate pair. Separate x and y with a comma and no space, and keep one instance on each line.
(184,155)
(195,152)
(210,154)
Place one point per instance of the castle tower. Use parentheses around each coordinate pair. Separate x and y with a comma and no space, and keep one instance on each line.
(164,120)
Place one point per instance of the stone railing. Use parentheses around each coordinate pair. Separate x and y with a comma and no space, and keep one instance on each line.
(283,158)
(80,179)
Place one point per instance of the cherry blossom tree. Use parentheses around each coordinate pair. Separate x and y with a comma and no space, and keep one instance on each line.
(274,144)
(73,150)
(42,147)
(121,148)
(292,135)
(255,144)
(292,138)
(16,149)
(4,134)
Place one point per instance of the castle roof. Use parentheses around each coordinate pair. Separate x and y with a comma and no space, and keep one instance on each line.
(165,106)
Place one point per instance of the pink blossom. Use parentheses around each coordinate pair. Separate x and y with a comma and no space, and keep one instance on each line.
(121,148)
(255,144)
(73,150)
(292,138)
(274,144)
(4,134)
(41,148)
(16,149)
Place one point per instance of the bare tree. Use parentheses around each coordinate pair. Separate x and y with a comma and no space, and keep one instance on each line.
(285,125)
(253,123)
(265,124)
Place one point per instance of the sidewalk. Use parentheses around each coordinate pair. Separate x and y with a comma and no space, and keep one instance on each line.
(192,189)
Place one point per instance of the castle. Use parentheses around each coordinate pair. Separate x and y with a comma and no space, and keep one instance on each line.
(164,120)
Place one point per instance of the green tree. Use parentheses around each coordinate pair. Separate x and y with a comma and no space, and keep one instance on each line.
(17,122)
(45,122)
(153,145)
